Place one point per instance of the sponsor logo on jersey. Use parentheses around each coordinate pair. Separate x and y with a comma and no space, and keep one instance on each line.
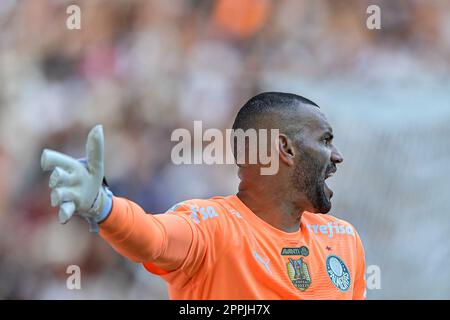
(199,214)
(338,272)
(331,229)
(301,251)
(263,260)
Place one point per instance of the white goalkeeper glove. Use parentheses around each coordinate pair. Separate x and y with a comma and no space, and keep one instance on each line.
(77,185)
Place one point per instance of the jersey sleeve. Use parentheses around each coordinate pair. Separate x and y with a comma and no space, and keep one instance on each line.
(359,292)
(163,239)
(207,223)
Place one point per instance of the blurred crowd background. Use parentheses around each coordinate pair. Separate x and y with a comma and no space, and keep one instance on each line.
(143,68)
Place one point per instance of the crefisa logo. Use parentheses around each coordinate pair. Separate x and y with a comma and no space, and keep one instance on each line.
(338,272)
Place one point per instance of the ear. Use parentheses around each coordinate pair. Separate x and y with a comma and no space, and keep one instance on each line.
(286,150)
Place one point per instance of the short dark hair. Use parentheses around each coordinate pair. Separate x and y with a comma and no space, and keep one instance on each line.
(266,102)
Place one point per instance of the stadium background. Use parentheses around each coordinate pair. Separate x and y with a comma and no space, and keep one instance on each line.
(144,68)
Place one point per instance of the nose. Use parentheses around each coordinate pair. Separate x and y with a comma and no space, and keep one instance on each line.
(336,156)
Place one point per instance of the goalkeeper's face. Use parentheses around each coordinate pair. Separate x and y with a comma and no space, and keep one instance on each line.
(315,161)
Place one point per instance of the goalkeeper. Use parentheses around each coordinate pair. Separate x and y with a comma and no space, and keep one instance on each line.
(272,240)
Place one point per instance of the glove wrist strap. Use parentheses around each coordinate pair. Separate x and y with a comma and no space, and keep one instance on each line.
(102,207)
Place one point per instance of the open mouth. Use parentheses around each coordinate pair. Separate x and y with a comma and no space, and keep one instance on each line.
(328,191)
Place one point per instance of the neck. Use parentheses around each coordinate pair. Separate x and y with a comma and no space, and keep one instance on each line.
(271,206)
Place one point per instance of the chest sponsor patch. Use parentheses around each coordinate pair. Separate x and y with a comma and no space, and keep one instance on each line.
(331,229)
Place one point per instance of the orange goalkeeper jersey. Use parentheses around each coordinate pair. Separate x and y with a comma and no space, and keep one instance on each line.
(225,251)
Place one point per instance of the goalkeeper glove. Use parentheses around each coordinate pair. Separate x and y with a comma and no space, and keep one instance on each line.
(77,185)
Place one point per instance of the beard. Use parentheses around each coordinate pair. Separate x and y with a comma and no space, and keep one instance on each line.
(309,179)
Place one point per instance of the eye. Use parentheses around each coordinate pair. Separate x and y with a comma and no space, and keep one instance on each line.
(327,141)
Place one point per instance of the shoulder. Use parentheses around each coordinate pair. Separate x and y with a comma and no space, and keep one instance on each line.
(201,210)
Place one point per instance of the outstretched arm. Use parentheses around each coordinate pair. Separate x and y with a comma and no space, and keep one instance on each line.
(77,188)
(163,239)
